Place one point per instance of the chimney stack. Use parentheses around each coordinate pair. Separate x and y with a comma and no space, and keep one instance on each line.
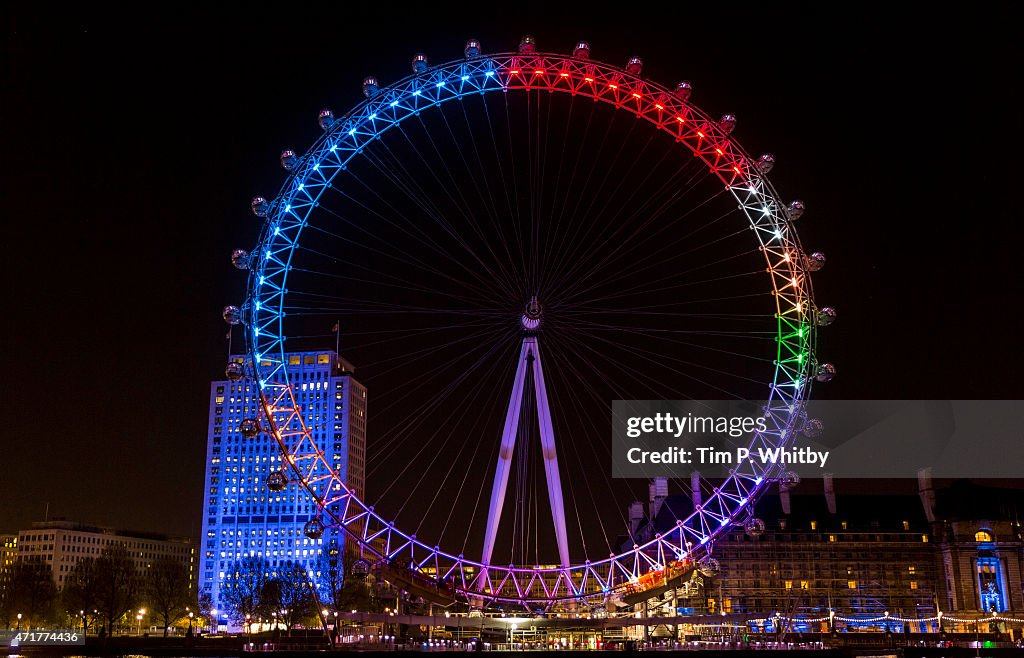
(830,493)
(926,493)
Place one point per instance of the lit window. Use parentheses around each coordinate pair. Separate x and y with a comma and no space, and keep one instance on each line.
(924,539)
(814,525)
(804,584)
(844,525)
(309,359)
(294,360)
(913,584)
(852,584)
(323,358)
(789,584)
(982,535)
(906,525)
(831,537)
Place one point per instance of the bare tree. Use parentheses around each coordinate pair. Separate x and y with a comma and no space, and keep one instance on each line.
(244,587)
(167,590)
(30,592)
(81,591)
(117,589)
(295,600)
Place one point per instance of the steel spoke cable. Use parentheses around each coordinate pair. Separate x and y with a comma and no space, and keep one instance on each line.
(459,412)
(412,260)
(419,419)
(467,213)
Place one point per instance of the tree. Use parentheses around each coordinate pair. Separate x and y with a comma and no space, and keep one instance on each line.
(341,587)
(117,581)
(291,593)
(30,592)
(167,590)
(81,590)
(244,587)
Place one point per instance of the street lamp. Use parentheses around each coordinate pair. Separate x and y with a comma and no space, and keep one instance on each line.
(190,623)
(138,619)
(19,621)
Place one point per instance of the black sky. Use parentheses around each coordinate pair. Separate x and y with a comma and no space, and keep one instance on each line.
(132,143)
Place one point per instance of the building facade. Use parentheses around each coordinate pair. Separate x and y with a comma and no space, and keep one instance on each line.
(241,515)
(59,545)
(957,549)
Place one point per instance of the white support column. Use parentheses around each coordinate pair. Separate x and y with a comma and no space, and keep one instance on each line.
(508,444)
(529,355)
(547,441)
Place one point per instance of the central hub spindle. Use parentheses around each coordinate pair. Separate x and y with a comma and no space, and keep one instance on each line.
(532,314)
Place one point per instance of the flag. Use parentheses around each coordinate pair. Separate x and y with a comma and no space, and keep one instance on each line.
(336,328)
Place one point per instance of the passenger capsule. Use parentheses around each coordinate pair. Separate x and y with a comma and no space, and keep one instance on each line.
(234,372)
(528,44)
(634,66)
(288,159)
(240,259)
(683,90)
(709,566)
(796,209)
(249,428)
(813,428)
(259,206)
(472,48)
(765,163)
(826,315)
(419,63)
(754,527)
(232,315)
(582,50)
(727,123)
(826,371)
(370,86)
(814,262)
(276,481)
(325,119)
(314,528)
(790,479)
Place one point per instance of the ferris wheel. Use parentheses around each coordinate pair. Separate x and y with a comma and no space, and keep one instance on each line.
(508,242)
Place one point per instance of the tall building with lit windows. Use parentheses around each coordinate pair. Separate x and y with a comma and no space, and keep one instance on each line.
(241,516)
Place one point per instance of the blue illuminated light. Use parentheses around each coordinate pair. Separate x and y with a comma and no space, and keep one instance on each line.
(372,116)
(489,74)
(394,103)
(352,132)
(416,93)
(440,84)
(465,78)
(334,147)
(277,231)
(288,208)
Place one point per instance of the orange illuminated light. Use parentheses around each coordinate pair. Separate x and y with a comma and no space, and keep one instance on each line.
(565,75)
(718,151)
(700,134)
(515,72)
(613,86)
(539,72)
(659,106)
(589,79)
(635,95)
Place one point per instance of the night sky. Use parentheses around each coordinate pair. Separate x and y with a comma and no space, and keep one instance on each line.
(133,142)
